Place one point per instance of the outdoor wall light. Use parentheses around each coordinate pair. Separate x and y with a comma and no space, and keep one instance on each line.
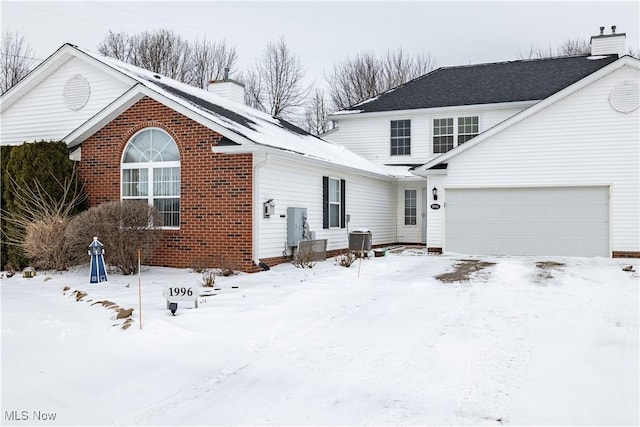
(435,193)
(173,307)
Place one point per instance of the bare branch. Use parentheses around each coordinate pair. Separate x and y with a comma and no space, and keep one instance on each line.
(15,59)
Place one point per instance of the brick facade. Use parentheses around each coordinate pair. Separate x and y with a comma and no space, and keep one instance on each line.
(216,189)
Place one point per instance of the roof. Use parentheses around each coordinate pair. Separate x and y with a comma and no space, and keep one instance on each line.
(440,163)
(513,81)
(240,125)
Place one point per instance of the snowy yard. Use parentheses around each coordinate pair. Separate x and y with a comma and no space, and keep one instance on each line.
(524,341)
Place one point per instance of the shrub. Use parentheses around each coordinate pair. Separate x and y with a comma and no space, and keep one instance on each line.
(122,227)
(39,182)
(208,278)
(304,258)
(346,259)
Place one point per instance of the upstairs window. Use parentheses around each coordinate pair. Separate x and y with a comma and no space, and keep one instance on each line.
(467,128)
(442,135)
(446,136)
(400,137)
(151,172)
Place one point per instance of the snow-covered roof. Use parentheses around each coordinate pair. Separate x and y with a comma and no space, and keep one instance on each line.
(251,125)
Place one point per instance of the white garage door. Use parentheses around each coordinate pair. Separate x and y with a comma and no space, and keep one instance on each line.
(572,221)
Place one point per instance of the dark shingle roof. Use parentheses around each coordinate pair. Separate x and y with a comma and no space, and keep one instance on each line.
(513,81)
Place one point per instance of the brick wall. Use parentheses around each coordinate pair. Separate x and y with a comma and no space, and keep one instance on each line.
(216,189)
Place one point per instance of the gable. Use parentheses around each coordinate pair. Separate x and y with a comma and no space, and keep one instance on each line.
(579,137)
(67,94)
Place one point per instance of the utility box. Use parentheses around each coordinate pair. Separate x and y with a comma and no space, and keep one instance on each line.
(360,241)
(297,226)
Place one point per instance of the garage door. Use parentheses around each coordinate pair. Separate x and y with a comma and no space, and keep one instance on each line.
(572,221)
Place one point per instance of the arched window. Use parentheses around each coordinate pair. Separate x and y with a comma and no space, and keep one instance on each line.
(151,172)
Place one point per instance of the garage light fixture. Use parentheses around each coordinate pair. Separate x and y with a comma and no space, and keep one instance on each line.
(435,193)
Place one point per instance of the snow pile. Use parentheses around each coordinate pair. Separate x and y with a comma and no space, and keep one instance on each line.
(523,341)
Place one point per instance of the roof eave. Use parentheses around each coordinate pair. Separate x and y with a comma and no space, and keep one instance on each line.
(255,148)
(434,110)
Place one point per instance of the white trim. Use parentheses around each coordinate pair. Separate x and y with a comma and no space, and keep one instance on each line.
(433,110)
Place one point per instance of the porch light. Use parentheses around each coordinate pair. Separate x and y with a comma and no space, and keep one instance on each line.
(435,193)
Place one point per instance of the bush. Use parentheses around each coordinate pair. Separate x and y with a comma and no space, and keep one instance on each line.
(220,265)
(346,259)
(304,258)
(44,242)
(38,181)
(208,278)
(122,227)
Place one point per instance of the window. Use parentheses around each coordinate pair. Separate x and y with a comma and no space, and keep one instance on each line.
(400,137)
(410,207)
(151,172)
(467,128)
(444,132)
(333,203)
(442,135)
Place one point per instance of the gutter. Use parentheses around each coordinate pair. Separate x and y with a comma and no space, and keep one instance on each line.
(255,235)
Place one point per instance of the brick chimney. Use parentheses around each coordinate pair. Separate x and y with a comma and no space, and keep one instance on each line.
(227,88)
(609,44)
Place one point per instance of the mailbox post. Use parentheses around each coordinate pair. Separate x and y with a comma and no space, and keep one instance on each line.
(98,272)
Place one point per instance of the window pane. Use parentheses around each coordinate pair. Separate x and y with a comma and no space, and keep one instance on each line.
(170,211)
(334,191)
(135,182)
(410,209)
(334,215)
(166,181)
(164,149)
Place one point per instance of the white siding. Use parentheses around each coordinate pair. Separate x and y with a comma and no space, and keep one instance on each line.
(369,135)
(42,112)
(370,202)
(580,140)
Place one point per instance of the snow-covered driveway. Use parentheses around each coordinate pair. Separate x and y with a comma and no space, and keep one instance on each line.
(524,341)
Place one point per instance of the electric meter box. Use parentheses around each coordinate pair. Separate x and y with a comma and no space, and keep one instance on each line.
(296,220)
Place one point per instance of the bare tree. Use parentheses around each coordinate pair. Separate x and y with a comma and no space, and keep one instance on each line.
(116,45)
(400,68)
(355,80)
(315,115)
(15,59)
(568,47)
(163,52)
(209,59)
(275,85)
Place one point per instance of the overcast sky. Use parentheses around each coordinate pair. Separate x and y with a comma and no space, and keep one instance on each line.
(323,33)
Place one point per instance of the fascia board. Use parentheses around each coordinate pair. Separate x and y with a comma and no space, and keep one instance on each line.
(128,99)
(511,121)
(297,158)
(433,110)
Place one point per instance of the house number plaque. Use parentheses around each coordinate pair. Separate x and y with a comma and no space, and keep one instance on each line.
(435,206)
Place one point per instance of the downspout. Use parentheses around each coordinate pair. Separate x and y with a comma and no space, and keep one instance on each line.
(256,209)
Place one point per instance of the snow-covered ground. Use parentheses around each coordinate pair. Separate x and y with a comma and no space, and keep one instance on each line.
(525,341)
